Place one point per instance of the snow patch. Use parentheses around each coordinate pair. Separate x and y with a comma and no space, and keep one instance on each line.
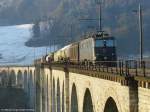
(25,26)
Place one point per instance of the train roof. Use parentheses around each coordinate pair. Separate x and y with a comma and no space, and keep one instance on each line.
(103,35)
(67,46)
(98,35)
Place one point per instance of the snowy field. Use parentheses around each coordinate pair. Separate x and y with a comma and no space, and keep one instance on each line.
(12,46)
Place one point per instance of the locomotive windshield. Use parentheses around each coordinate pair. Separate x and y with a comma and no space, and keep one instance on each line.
(105,49)
(99,43)
(104,43)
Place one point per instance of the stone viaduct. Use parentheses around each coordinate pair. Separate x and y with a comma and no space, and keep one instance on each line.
(22,77)
(54,88)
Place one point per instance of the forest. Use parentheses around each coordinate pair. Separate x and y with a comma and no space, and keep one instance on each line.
(66,20)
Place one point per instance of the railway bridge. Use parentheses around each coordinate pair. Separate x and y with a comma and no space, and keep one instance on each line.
(64,87)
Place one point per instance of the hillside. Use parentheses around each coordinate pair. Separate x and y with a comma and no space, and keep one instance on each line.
(118,19)
(25,11)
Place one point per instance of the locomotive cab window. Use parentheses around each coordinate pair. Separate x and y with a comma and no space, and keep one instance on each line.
(110,43)
(104,43)
(99,43)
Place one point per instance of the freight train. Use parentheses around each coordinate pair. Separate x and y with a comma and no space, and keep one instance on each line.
(93,48)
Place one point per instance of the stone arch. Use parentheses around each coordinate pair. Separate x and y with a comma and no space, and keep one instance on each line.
(74,99)
(110,105)
(53,97)
(20,79)
(4,78)
(25,79)
(87,102)
(111,93)
(12,79)
(63,102)
(58,96)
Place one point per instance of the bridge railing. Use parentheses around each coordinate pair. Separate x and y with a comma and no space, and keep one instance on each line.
(17,110)
(138,68)
(121,67)
(2,66)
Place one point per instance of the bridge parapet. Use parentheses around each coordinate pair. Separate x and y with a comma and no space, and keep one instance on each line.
(143,82)
(126,69)
(3,66)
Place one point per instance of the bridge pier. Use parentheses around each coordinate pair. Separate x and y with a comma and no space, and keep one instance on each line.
(143,94)
(133,95)
(38,89)
(67,89)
